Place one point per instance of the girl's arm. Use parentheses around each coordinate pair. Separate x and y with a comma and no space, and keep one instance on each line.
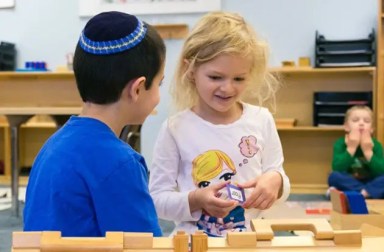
(273,184)
(169,202)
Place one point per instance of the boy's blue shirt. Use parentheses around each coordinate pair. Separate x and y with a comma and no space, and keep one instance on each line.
(85,181)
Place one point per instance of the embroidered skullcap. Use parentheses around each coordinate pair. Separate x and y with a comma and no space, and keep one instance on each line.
(112,32)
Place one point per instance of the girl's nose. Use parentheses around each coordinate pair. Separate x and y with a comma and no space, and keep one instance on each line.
(227,86)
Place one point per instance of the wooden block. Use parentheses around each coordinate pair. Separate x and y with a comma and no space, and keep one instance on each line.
(288,63)
(371,230)
(138,240)
(264,228)
(242,239)
(339,201)
(348,237)
(285,122)
(304,61)
(199,242)
(354,221)
(26,240)
(53,242)
(180,242)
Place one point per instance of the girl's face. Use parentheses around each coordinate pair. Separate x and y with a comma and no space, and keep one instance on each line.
(359,119)
(219,83)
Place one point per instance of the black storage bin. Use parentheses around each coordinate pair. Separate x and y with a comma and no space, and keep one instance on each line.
(7,56)
(345,53)
(329,107)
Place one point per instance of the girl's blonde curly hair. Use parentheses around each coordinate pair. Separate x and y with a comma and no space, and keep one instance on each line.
(223,33)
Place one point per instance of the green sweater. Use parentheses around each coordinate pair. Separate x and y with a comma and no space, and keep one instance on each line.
(358,164)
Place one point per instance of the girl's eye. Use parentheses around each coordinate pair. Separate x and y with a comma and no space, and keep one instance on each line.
(215,77)
(203,184)
(239,79)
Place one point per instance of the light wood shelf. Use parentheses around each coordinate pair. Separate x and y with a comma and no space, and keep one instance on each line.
(308,149)
(311,129)
(172,31)
(380,72)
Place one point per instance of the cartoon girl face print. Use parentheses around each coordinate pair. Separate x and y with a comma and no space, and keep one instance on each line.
(211,167)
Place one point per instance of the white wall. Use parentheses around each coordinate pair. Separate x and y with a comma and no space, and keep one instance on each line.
(46,30)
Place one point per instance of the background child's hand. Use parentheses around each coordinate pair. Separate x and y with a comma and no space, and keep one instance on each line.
(208,200)
(366,140)
(352,139)
(366,144)
(265,192)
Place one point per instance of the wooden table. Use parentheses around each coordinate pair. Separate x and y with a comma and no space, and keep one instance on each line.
(26,94)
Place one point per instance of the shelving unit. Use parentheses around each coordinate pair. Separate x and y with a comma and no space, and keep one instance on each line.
(380,72)
(308,149)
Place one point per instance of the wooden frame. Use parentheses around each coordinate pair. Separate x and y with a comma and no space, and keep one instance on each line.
(92,7)
(261,239)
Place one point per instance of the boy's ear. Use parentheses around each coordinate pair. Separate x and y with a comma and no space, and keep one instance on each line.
(136,87)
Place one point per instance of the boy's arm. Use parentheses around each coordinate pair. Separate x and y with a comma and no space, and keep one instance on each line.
(122,201)
(377,161)
(342,159)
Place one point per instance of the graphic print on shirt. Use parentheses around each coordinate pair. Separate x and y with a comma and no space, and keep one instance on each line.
(248,148)
(212,167)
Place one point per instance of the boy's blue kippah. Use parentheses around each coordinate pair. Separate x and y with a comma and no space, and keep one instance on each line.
(111,32)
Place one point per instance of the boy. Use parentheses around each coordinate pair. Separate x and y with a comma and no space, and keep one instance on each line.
(358,162)
(85,180)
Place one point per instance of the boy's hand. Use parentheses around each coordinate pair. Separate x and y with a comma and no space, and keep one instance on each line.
(352,139)
(265,192)
(208,200)
(366,143)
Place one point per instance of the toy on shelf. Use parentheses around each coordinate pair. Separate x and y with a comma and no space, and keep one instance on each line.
(34,66)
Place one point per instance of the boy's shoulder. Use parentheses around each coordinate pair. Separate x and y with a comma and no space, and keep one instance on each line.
(340,140)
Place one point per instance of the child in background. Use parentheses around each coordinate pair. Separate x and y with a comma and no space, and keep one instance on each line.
(358,161)
(85,180)
(216,138)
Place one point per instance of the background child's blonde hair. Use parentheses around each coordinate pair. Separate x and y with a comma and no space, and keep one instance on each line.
(217,33)
(357,107)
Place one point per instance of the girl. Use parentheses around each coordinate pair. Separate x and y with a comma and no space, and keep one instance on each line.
(215,137)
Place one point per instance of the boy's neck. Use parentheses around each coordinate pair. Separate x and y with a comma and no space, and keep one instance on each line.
(108,114)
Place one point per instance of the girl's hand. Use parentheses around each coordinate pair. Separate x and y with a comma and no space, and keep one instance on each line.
(266,190)
(208,200)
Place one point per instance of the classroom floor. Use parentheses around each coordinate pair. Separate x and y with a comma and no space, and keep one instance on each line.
(297,206)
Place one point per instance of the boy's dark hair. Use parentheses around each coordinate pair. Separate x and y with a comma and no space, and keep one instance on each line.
(101,76)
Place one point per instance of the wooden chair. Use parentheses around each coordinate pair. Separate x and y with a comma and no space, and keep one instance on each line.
(131,135)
